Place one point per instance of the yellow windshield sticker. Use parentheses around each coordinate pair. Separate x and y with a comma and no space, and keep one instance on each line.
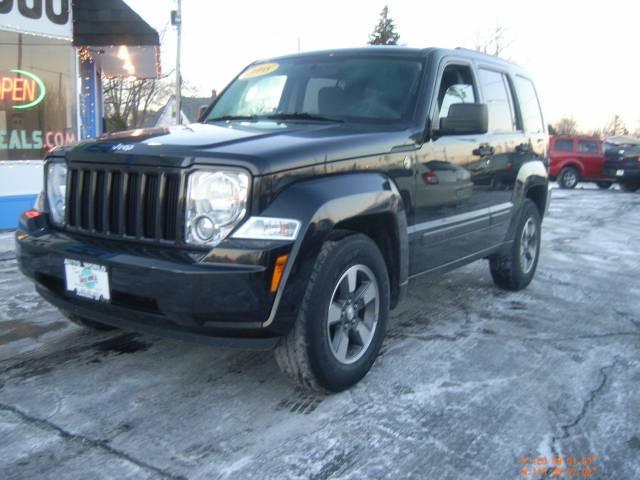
(260,70)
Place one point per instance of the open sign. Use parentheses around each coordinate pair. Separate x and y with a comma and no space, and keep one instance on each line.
(21,89)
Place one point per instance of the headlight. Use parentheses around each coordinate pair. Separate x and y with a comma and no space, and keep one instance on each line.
(216,202)
(57,190)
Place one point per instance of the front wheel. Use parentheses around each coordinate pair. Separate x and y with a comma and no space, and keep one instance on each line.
(342,319)
(515,269)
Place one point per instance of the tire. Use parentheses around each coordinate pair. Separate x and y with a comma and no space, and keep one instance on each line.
(305,354)
(510,271)
(604,185)
(630,186)
(86,323)
(568,178)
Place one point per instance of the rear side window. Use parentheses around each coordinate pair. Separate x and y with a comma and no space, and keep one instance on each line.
(587,146)
(495,89)
(564,145)
(529,105)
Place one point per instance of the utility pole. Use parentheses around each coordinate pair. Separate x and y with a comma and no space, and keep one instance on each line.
(176,19)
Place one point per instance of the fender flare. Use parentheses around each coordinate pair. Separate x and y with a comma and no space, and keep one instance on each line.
(573,163)
(320,204)
(532,174)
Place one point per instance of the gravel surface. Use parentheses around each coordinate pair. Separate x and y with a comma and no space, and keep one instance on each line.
(470,380)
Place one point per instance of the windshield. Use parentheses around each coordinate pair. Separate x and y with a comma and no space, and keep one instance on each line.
(363,88)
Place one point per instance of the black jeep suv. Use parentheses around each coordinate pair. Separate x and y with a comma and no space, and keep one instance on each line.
(296,212)
(622,162)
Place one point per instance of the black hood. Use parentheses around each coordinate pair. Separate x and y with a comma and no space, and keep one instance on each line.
(262,147)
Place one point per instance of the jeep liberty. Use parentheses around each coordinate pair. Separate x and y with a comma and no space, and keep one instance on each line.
(295,214)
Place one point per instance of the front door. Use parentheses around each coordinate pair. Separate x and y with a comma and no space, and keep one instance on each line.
(451,205)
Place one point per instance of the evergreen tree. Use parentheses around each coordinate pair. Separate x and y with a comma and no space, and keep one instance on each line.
(385,31)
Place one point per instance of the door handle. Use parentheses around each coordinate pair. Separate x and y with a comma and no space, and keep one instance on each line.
(483,151)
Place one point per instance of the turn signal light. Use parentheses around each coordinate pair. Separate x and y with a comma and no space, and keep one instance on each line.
(32,213)
(278,269)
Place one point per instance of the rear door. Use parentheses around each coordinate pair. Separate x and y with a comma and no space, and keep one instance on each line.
(532,119)
(591,157)
(509,144)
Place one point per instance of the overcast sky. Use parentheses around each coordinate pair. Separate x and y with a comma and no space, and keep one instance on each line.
(584,56)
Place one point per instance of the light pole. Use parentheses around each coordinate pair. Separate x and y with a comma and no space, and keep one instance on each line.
(176,19)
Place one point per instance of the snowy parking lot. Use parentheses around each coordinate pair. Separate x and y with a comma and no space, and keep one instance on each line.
(471,379)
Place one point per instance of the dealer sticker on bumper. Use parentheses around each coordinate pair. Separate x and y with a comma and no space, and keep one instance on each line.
(87,279)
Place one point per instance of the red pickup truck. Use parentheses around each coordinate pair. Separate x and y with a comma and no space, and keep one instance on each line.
(576,158)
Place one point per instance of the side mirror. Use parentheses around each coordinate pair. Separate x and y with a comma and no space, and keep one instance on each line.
(201,111)
(465,119)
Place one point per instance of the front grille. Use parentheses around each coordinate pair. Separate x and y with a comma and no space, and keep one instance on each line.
(135,204)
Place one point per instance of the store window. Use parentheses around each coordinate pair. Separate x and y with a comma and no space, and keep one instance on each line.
(37,95)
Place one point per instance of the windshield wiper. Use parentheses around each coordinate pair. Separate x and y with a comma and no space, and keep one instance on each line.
(303,116)
(225,118)
(276,116)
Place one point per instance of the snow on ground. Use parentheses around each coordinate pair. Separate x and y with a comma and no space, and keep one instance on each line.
(470,380)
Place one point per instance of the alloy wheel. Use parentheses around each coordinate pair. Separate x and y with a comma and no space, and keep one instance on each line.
(353,312)
(528,246)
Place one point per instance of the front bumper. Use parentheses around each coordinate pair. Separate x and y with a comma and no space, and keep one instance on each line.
(221,299)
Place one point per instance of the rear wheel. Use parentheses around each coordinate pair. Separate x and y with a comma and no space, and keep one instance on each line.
(86,323)
(515,269)
(630,186)
(604,185)
(342,319)
(568,178)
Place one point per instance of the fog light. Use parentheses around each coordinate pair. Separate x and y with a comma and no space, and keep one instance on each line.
(205,229)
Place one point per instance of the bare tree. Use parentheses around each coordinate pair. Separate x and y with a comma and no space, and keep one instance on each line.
(566,126)
(616,126)
(494,42)
(128,102)
(596,132)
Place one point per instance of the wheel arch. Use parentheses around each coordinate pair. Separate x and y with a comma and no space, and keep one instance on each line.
(532,183)
(573,163)
(376,227)
(330,207)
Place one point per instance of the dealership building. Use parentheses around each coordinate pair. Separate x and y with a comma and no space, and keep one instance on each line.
(53,55)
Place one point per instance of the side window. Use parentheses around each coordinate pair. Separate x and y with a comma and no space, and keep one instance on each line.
(496,94)
(529,105)
(456,86)
(564,145)
(587,146)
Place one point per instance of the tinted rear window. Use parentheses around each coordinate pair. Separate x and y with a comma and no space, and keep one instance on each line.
(587,146)
(564,145)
